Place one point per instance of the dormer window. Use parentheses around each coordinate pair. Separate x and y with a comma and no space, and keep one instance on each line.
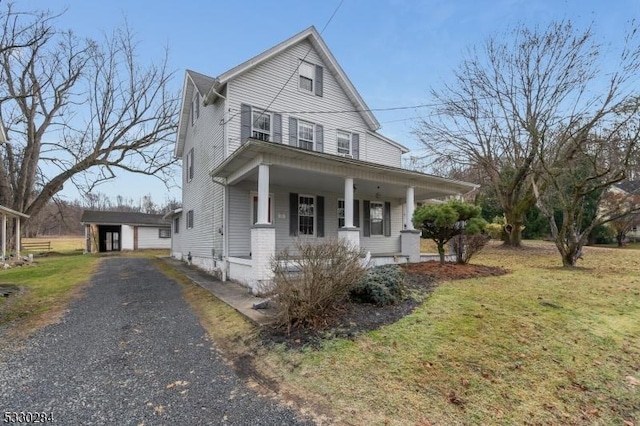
(261,126)
(307,73)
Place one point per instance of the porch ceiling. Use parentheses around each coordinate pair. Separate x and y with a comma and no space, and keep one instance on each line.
(309,170)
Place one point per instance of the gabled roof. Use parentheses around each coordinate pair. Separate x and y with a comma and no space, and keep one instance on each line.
(629,186)
(216,85)
(122,218)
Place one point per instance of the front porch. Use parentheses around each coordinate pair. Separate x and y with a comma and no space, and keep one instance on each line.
(278,196)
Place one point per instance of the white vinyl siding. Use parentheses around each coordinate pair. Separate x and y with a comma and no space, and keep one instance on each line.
(260,85)
(148,238)
(239,221)
(377,150)
(202,196)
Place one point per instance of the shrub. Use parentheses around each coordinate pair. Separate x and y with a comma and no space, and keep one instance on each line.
(381,285)
(309,286)
(466,246)
(494,230)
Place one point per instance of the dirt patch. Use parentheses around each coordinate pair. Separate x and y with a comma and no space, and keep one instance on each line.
(353,318)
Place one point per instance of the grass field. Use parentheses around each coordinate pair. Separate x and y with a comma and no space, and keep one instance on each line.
(541,345)
(63,244)
(47,286)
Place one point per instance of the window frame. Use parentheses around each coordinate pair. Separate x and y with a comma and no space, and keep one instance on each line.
(350,137)
(314,216)
(311,78)
(190,219)
(313,135)
(255,130)
(176,225)
(253,198)
(190,165)
(341,224)
(167,233)
(371,219)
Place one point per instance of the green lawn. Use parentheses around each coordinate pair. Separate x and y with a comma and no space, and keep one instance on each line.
(47,286)
(541,345)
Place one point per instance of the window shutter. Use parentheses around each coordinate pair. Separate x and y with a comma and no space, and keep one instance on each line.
(320,216)
(319,80)
(293,214)
(277,128)
(192,160)
(355,145)
(319,138)
(387,219)
(367,218)
(356,213)
(293,132)
(245,123)
(197,104)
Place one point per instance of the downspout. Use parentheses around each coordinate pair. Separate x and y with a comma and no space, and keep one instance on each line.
(225,227)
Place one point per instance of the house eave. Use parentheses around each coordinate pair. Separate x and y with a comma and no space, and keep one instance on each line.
(274,153)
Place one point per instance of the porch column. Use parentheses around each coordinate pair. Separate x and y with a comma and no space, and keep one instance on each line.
(263,195)
(18,236)
(4,236)
(410,201)
(348,202)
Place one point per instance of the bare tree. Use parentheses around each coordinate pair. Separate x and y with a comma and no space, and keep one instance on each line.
(77,111)
(505,97)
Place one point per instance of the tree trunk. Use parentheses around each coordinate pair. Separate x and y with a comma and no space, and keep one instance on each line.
(441,252)
(513,234)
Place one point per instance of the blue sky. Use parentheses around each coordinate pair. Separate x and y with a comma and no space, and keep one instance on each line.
(394,51)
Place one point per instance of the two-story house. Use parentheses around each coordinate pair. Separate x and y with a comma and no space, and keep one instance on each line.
(283,148)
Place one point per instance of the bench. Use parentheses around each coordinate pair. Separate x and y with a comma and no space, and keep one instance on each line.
(37,246)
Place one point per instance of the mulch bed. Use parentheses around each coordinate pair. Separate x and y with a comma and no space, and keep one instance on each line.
(352,319)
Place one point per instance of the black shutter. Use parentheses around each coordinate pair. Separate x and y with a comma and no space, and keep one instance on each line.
(367,218)
(320,216)
(277,128)
(319,138)
(355,145)
(293,214)
(387,219)
(356,213)
(319,80)
(191,164)
(293,131)
(245,123)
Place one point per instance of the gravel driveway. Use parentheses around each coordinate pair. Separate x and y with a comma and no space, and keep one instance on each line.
(130,352)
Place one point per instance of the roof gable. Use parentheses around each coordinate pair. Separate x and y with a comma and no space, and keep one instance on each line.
(312,35)
(193,81)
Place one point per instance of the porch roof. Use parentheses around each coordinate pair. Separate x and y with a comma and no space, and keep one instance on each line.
(11,213)
(300,167)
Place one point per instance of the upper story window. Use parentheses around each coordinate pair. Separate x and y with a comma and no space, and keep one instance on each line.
(195,108)
(261,125)
(306,133)
(190,165)
(307,76)
(344,142)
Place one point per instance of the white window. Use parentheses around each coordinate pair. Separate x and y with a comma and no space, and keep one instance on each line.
(306,214)
(195,108)
(306,72)
(344,142)
(164,233)
(306,133)
(190,219)
(190,165)
(261,125)
(340,213)
(376,210)
(254,208)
